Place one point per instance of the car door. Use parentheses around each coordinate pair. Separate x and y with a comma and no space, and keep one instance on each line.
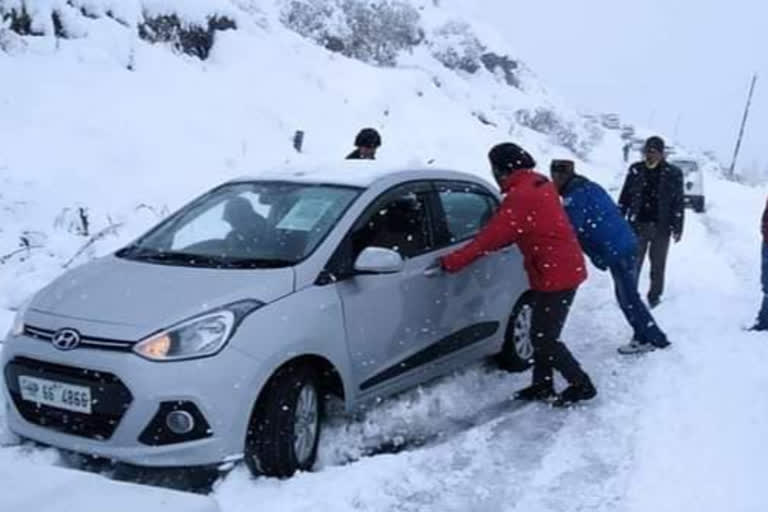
(392,320)
(479,299)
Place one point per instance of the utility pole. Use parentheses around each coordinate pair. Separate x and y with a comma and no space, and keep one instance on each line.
(743,125)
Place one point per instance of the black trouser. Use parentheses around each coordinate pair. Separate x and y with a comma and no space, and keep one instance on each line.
(550,310)
(655,241)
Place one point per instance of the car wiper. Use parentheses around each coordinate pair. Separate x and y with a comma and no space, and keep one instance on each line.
(258,263)
(170,257)
(200,260)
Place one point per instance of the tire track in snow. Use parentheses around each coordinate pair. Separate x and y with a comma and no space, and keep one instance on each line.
(536,455)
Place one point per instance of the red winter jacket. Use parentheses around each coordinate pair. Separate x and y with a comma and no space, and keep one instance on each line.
(532,217)
(765,224)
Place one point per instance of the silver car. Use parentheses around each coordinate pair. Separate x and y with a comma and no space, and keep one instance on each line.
(219,334)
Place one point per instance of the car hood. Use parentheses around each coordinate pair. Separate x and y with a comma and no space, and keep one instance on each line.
(151,296)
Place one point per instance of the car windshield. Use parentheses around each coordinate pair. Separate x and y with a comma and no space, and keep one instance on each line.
(246,225)
(686,166)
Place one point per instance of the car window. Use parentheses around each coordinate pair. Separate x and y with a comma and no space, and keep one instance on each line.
(246,225)
(466,211)
(686,166)
(462,209)
(211,225)
(399,221)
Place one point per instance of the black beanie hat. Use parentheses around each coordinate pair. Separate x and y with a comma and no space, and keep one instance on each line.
(368,138)
(510,157)
(656,143)
(562,166)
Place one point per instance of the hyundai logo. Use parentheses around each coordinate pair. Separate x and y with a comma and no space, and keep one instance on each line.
(66,339)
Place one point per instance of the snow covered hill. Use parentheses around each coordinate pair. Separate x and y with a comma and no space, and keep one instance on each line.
(96,117)
(114,112)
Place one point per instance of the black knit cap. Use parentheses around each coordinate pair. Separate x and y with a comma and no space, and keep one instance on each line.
(368,138)
(656,143)
(510,157)
(562,166)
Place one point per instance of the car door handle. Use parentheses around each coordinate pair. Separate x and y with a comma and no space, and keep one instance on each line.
(433,270)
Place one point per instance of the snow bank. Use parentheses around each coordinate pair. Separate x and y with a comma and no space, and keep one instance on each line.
(6,320)
(52,489)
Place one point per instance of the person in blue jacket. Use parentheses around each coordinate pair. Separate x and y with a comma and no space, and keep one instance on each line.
(609,242)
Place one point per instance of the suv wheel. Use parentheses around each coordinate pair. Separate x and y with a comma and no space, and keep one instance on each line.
(517,353)
(284,430)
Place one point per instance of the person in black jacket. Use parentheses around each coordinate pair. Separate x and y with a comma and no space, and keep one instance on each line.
(367,142)
(652,202)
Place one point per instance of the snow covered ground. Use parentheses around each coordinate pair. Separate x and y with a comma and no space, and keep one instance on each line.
(676,430)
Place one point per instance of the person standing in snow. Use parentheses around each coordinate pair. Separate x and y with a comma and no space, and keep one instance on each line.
(652,201)
(532,217)
(608,240)
(761,324)
(367,143)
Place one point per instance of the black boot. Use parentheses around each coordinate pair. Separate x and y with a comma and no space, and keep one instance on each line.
(541,391)
(574,393)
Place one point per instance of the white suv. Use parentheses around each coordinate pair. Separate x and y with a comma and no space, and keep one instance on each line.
(693,182)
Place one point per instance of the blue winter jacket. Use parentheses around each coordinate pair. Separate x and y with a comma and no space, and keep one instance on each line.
(604,234)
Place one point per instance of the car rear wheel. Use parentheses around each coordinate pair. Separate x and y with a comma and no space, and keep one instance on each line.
(284,430)
(517,352)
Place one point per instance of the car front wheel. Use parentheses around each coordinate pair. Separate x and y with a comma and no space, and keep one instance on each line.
(284,430)
(517,352)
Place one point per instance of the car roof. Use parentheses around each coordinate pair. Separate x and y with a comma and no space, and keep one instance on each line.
(360,174)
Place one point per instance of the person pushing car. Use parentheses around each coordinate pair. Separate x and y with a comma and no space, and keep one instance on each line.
(532,217)
(608,240)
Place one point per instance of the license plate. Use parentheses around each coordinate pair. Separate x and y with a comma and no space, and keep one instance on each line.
(56,394)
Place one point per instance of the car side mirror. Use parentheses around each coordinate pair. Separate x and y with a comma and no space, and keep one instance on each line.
(378,260)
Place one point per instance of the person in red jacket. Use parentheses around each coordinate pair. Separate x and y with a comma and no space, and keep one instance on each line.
(532,217)
(762,317)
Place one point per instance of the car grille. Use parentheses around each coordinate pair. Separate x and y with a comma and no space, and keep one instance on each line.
(85,341)
(110,398)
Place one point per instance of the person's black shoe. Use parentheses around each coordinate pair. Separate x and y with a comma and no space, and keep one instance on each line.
(575,393)
(661,344)
(536,392)
(758,328)
(653,301)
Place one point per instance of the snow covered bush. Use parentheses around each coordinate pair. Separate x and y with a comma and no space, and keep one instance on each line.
(14,14)
(10,42)
(563,133)
(503,66)
(373,31)
(187,28)
(457,47)
(192,39)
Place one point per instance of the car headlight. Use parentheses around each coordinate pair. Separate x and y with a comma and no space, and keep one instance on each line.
(201,336)
(17,328)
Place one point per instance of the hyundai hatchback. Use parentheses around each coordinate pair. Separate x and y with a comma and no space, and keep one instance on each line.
(219,334)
